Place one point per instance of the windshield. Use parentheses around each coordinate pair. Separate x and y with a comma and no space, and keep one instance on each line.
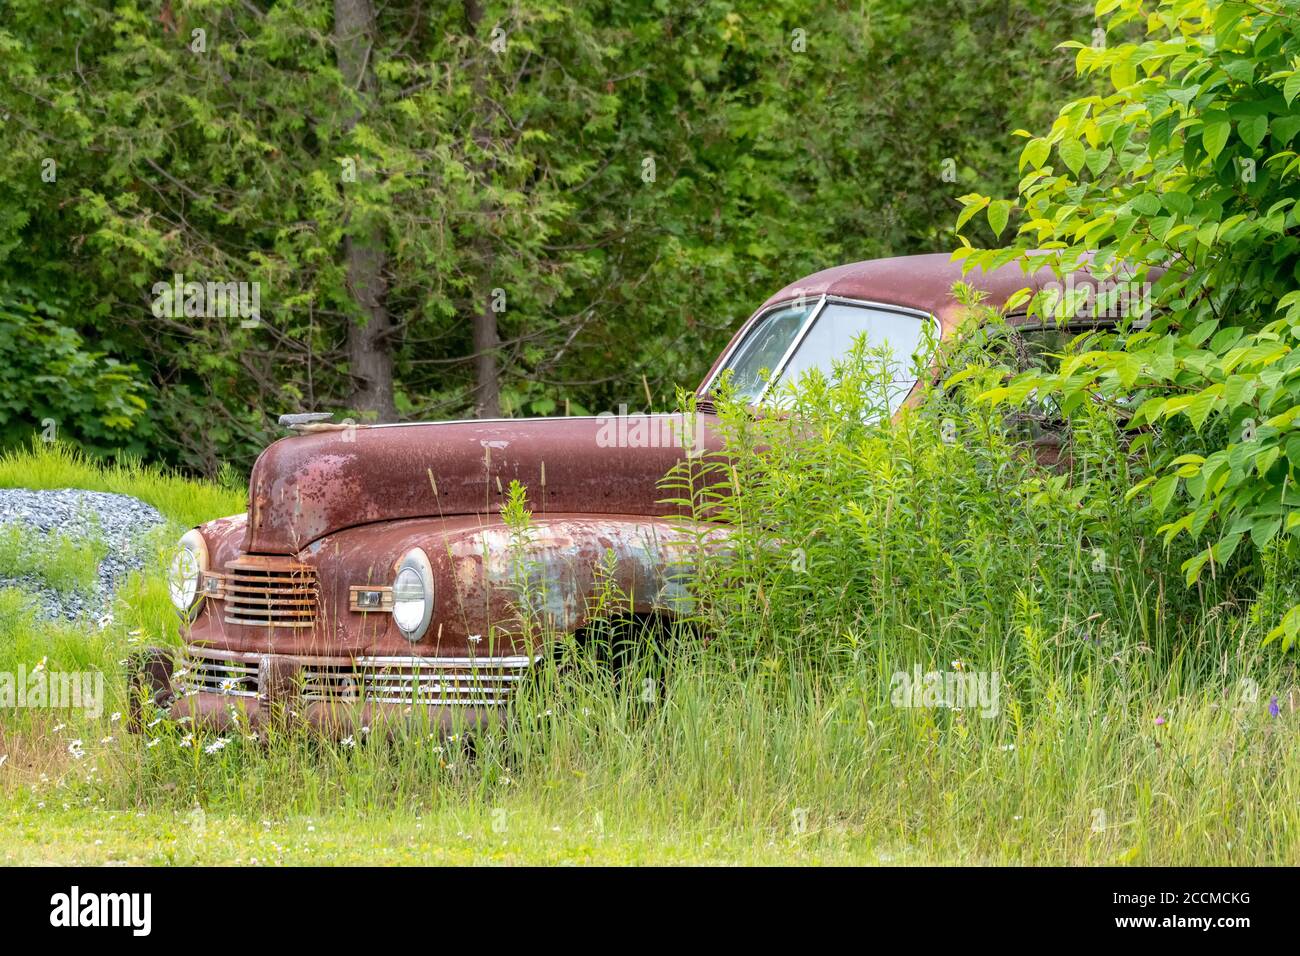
(761,351)
(767,350)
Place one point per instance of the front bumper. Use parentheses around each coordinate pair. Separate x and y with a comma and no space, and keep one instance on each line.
(229,691)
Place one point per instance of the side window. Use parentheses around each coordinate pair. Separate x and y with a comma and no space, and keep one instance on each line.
(831,338)
(1040,349)
(1040,420)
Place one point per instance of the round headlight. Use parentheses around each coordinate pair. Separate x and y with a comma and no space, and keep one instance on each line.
(187,568)
(413,594)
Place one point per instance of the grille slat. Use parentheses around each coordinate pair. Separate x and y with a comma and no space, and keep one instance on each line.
(436,681)
(264,622)
(217,675)
(481,682)
(286,591)
(270,592)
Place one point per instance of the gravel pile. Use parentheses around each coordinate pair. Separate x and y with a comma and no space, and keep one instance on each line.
(119,521)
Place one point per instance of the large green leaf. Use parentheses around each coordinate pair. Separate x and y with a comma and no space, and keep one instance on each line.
(1072,154)
(1215,135)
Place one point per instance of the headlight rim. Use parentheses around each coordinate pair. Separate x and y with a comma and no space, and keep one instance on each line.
(415,560)
(193,542)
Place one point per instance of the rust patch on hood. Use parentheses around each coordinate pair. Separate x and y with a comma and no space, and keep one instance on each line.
(305,487)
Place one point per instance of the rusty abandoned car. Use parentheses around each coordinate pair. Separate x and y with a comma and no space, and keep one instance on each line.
(371,574)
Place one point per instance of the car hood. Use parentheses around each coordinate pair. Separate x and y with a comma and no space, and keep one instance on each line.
(307,486)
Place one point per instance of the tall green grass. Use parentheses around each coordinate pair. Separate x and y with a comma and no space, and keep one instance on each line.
(737,763)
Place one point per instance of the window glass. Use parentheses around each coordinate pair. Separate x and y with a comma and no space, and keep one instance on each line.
(761,351)
(1039,418)
(1040,348)
(834,331)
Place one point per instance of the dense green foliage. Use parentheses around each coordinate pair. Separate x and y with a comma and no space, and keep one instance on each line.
(1188,163)
(624,181)
(50,379)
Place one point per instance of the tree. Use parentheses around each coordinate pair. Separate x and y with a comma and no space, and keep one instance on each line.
(370,357)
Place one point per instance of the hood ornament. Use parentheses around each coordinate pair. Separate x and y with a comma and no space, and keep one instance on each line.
(303,423)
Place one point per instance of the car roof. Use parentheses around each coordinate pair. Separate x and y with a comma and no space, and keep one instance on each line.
(916,282)
(922,282)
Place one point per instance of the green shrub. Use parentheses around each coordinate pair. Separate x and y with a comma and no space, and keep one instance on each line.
(1188,162)
(52,383)
(933,539)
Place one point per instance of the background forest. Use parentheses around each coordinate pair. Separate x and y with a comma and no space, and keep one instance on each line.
(459,208)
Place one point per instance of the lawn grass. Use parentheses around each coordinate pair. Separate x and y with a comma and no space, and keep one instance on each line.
(187,838)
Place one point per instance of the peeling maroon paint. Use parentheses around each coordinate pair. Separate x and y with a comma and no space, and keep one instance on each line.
(308,486)
(476,584)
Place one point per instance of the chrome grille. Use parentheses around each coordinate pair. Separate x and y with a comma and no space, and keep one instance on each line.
(203,671)
(269,592)
(483,682)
